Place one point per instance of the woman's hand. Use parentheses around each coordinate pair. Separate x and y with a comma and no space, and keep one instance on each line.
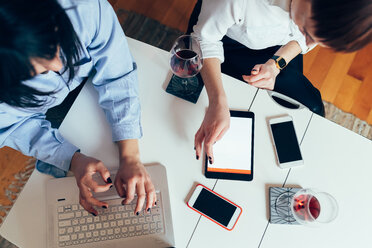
(132,178)
(263,75)
(216,122)
(84,168)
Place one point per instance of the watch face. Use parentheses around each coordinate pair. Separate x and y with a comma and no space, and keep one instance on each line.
(281,63)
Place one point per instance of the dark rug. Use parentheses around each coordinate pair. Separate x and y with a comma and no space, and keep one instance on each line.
(147,30)
(154,33)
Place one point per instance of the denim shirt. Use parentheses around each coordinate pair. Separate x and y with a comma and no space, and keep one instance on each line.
(105,54)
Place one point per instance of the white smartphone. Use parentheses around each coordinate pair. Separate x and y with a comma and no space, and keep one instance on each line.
(214,207)
(287,149)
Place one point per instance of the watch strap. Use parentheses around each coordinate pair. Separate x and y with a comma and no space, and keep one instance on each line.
(279,61)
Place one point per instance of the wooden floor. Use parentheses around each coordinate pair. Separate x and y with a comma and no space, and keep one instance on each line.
(343,79)
(11,163)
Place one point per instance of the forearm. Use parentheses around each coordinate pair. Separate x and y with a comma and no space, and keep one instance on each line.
(211,74)
(289,51)
(128,150)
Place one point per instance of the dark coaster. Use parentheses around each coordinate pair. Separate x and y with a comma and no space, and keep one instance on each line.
(280,203)
(188,89)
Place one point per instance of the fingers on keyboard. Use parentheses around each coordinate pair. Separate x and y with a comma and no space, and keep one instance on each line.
(120,187)
(151,197)
(131,190)
(141,196)
(88,207)
(88,204)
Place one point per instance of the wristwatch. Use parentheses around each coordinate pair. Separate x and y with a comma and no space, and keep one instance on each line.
(279,61)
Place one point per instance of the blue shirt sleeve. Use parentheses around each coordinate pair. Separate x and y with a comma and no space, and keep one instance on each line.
(33,136)
(116,75)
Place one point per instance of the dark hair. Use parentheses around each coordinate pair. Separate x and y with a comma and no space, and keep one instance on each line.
(343,25)
(32,29)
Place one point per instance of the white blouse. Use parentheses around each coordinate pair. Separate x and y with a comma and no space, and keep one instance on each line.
(257,24)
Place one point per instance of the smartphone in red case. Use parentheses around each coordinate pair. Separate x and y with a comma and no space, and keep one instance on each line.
(214,207)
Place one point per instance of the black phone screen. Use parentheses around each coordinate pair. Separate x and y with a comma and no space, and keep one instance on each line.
(214,207)
(286,142)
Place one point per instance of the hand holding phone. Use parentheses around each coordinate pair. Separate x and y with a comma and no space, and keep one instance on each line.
(287,149)
(214,207)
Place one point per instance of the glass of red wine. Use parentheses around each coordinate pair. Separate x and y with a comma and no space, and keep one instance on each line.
(313,208)
(186,61)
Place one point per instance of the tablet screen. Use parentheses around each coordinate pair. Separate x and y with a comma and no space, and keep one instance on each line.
(232,154)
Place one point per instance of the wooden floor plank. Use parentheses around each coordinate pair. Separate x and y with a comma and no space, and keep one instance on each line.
(127,5)
(320,67)
(362,63)
(369,118)
(363,104)
(180,15)
(161,9)
(335,76)
(346,94)
(309,59)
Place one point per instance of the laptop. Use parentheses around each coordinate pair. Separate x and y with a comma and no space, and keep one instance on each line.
(69,225)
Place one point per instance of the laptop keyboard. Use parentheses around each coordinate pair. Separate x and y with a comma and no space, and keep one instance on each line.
(77,226)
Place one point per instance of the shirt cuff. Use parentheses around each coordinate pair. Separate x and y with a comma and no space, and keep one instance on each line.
(304,47)
(61,161)
(301,40)
(212,50)
(126,131)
